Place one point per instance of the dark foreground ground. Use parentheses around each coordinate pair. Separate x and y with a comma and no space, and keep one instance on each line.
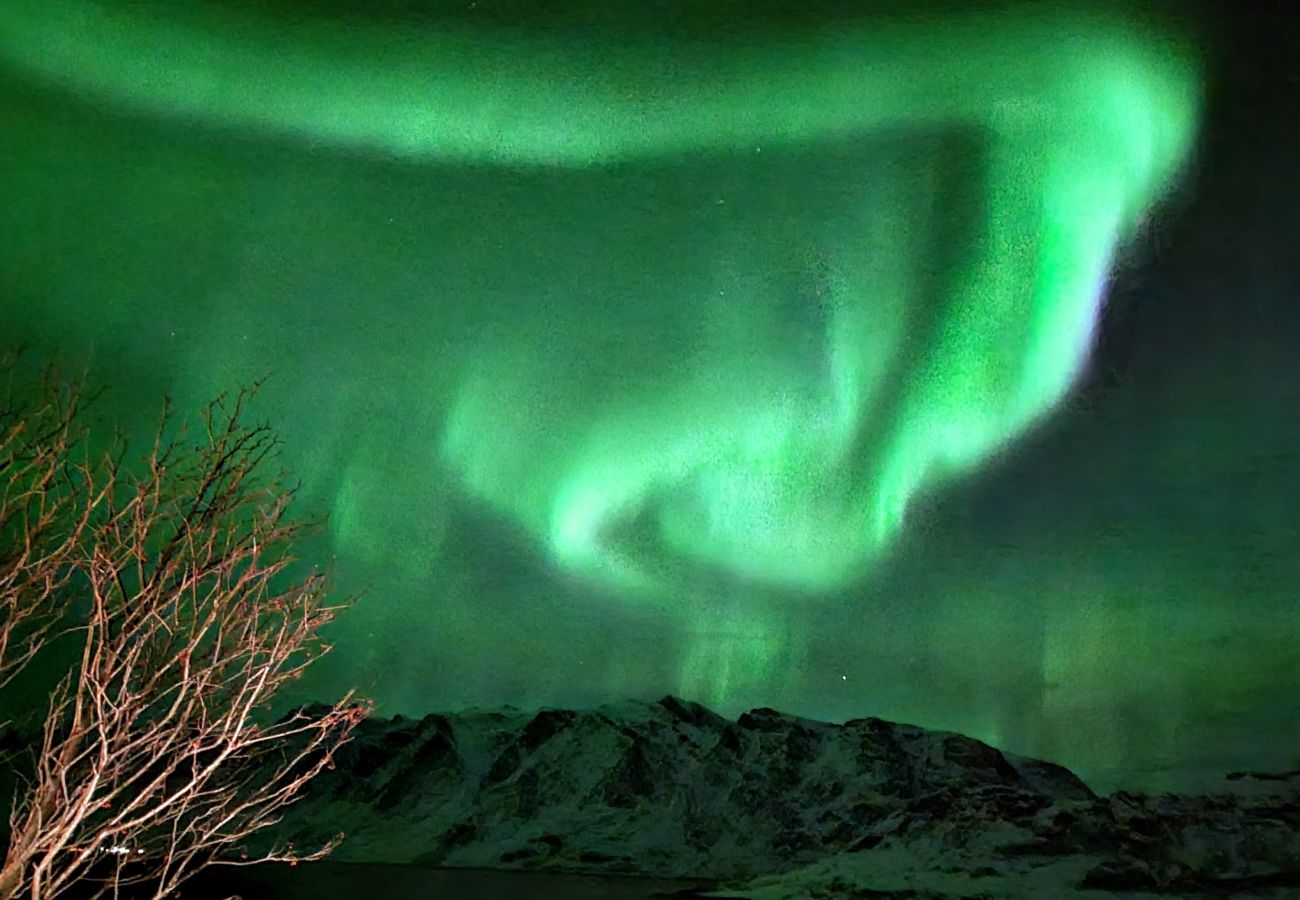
(364,881)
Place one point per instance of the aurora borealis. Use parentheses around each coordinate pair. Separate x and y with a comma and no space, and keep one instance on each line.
(650,356)
(786,466)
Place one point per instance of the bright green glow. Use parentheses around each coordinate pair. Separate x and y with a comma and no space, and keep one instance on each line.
(474,94)
(713,312)
(799,477)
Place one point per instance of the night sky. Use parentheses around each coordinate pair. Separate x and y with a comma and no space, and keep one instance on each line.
(939,367)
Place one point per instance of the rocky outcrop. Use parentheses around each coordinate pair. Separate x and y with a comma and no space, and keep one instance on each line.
(672,789)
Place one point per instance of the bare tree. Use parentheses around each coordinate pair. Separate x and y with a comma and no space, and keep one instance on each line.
(44,513)
(173,582)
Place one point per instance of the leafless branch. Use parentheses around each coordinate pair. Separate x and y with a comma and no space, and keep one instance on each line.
(189,621)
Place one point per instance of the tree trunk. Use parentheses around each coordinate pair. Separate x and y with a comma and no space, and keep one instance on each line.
(11,875)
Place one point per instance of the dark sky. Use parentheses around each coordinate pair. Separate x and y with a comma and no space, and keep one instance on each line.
(566,464)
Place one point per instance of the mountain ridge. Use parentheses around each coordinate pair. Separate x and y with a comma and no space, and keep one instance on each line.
(672,789)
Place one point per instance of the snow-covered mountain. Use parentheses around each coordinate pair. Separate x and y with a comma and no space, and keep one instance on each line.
(672,789)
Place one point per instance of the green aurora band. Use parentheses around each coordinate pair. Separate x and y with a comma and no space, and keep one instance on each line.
(796,482)
(771,377)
